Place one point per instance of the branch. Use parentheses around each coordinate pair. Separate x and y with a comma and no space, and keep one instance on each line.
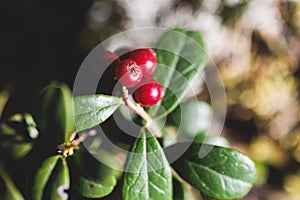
(141,112)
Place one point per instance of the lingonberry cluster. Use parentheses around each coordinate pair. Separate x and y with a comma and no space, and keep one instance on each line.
(133,69)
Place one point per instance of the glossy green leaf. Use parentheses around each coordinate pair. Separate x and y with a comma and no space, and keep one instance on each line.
(193,117)
(95,189)
(59,182)
(93,178)
(222,174)
(213,140)
(179,66)
(92,110)
(148,174)
(8,190)
(42,176)
(179,190)
(56,116)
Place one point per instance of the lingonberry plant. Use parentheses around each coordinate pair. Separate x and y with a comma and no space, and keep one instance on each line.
(71,134)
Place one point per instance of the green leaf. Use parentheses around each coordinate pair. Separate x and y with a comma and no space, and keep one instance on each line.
(148,174)
(14,150)
(92,110)
(24,121)
(17,135)
(179,190)
(4,96)
(42,176)
(222,174)
(94,179)
(59,182)
(8,190)
(94,189)
(179,66)
(193,117)
(56,116)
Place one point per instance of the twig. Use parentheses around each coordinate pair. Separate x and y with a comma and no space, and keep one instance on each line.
(82,137)
(67,149)
(141,112)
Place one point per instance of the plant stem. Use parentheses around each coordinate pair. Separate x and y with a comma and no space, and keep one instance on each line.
(141,112)
(67,149)
(82,137)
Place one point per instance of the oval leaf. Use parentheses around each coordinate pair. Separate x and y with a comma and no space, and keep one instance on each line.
(42,177)
(92,110)
(59,182)
(56,116)
(94,189)
(179,66)
(148,174)
(94,179)
(222,174)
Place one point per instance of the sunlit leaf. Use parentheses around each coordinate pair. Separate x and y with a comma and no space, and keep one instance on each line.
(179,65)
(92,110)
(148,174)
(222,174)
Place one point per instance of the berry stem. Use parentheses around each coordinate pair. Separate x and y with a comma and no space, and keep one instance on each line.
(141,112)
(82,137)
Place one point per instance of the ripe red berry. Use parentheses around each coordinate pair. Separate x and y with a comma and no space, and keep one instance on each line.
(146,59)
(128,73)
(148,93)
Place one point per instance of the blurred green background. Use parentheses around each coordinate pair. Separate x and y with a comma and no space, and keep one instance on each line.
(255,44)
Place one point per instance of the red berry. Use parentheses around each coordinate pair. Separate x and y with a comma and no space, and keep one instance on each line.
(128,73)
(146,59)
(148,93)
